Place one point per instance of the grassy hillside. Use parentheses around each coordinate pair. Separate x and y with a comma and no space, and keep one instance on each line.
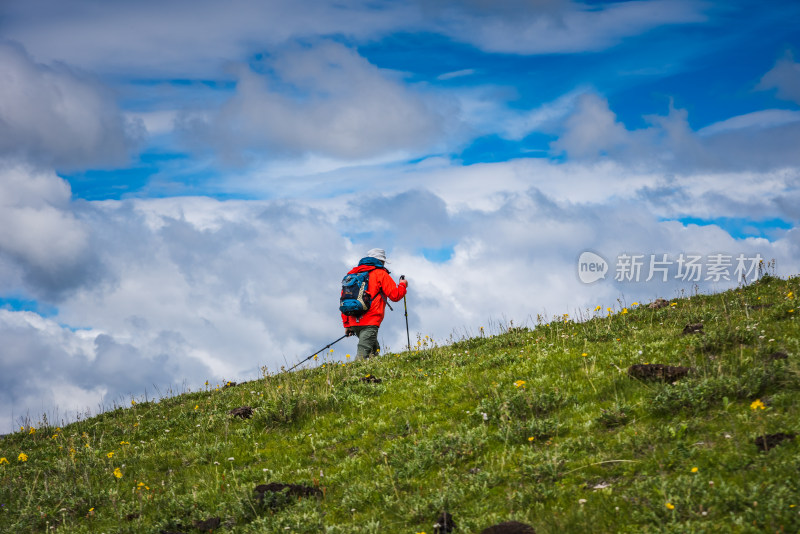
(543,426)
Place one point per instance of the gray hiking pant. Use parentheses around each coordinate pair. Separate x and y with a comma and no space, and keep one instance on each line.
(367,341)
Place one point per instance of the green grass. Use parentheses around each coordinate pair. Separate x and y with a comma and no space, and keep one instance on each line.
(539,425)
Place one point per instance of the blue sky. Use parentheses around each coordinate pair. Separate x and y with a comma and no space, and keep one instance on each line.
(182,183)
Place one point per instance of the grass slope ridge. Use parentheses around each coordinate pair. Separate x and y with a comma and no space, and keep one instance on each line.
(543,426)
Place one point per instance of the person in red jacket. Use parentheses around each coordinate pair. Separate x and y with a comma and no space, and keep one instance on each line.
(380,287)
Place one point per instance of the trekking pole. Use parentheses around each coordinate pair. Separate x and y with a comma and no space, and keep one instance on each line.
(320,350)
(405,307)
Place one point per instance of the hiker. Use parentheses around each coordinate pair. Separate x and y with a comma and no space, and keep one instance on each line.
(362,315)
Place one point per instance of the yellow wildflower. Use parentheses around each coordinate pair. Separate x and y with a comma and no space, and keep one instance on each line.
(584,354)
(110,454)
(670,506)
(598,308)
(757,404)
(531,438)
(133,402)
(674,304)
(348,356)
(22,457)
(519,383)
(624,311)
(32,431)
(118,472)
(634,304)
(3,460)
(694,470)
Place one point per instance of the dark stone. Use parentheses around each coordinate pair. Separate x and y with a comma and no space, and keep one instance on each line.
(658,371)
(208,525)
(245,412)
(445,524)
(778,356)
(229,385)
(371,379)
(659,303)
(131,517)
(769,441)
(509,527)
(693,329)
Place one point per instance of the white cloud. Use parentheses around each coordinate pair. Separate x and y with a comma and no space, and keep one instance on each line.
(323,100)
(557,26)
(592,130)
(174,38)
(155,122)
(56,371)
(760,141)
(39,233)
(55,116)
(456,74)
(758,120)
(184,38)
(546,117)
(784,77)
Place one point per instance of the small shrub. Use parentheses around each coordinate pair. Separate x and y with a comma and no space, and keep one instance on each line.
(522,404)
(279,410)
(613,417)
(697,395)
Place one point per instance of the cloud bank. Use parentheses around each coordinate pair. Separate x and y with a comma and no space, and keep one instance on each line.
(58,117)
(200,289)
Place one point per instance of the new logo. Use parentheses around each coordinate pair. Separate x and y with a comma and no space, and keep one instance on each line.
(591,267)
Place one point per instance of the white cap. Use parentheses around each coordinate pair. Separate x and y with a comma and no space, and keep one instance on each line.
(378,254)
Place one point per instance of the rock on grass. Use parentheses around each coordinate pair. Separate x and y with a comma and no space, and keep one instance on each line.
(245,412)
(768,441)
(657,371)
(693,329)
(445,524)
(208,525)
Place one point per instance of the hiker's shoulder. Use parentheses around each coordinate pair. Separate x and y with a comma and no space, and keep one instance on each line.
(380,273)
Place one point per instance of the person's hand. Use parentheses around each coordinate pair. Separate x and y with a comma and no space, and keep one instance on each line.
(348,332)
(404,282)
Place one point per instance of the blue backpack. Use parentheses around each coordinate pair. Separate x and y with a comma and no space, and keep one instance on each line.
(355,299)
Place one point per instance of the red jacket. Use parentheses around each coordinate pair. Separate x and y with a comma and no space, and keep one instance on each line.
(381,286)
